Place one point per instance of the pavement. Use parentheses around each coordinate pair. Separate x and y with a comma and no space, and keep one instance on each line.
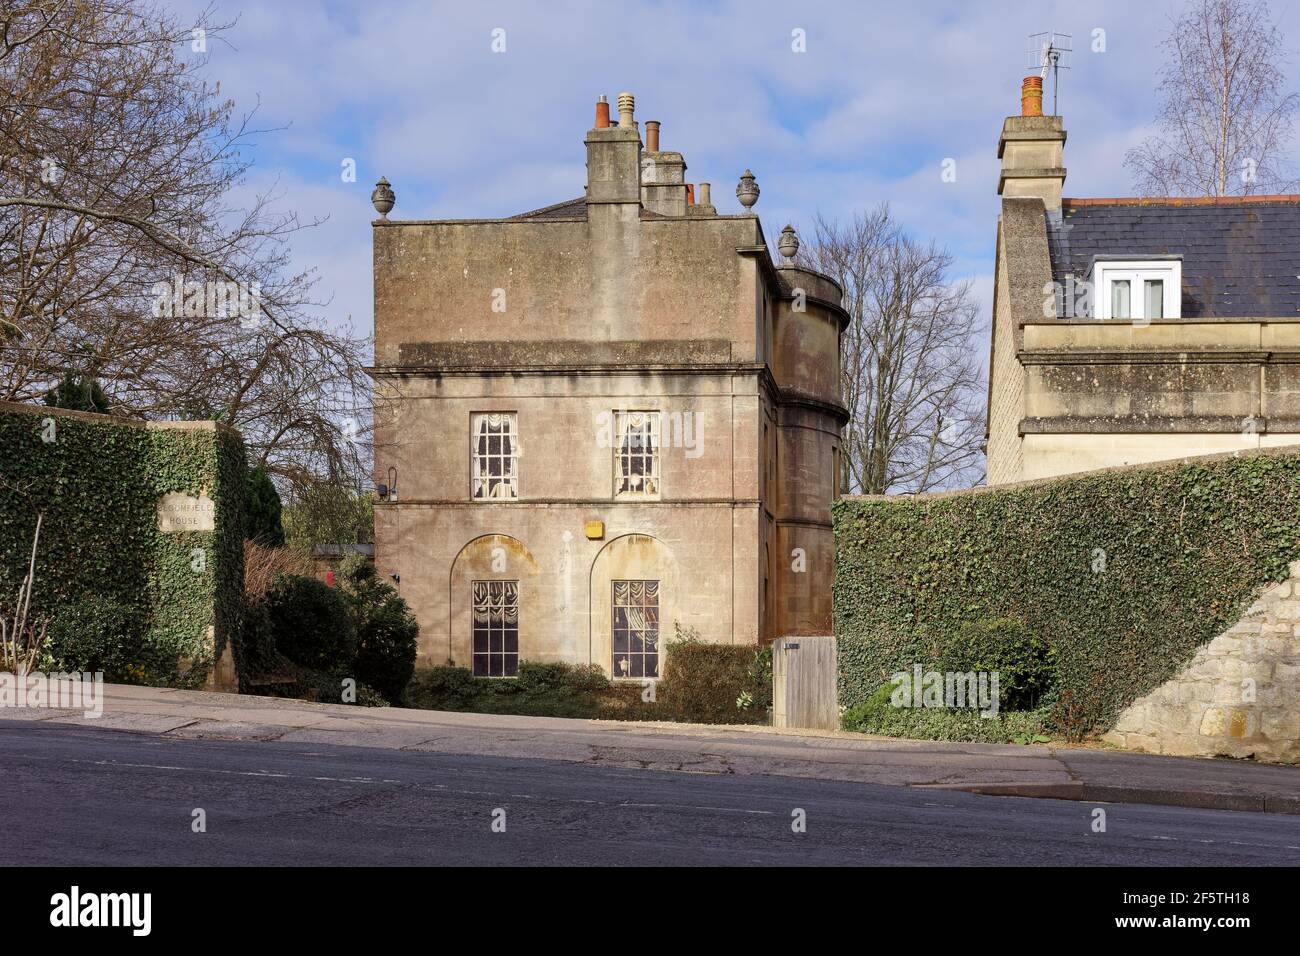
(87,796)
(1042,771)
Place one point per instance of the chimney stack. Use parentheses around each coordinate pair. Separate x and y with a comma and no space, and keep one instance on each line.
(614,160)
(626,104)
(1032,150)
(652,136)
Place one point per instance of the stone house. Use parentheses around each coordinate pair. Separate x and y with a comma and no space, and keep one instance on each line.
(604,420)
(1134,330)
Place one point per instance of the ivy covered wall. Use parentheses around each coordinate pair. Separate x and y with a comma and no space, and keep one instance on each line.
(1125,572)
(97,480)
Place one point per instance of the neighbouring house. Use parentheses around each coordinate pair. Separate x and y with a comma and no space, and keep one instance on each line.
(604,419)
(1134,330)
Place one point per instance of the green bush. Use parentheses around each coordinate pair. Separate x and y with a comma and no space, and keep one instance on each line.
(97,633)
(255,652)
(877,716)
(385,627)
(707,683)
(444,687)
(759,694)
(310,624)
(702,683)
(1125,573)
(560,678)
(1025,664)
(540,690)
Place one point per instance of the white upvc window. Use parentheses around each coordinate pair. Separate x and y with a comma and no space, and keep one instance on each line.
(636,455)
(1137,290)
(494,456)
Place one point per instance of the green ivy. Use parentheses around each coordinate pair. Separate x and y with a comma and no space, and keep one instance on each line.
(98,482)
(1124,573)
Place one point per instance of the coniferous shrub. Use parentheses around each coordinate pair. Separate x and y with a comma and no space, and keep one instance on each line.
(386,630)
(311,625)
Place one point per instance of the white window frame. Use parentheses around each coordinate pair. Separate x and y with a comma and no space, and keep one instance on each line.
(1137,272)
(476,474)
(652,480)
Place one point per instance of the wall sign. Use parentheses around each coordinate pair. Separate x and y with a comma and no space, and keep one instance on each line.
(178,511)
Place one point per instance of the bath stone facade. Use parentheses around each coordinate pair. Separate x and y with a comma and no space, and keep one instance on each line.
(603,420)
(1135,330)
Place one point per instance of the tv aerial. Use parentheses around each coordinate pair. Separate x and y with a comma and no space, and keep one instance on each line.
(1050,51)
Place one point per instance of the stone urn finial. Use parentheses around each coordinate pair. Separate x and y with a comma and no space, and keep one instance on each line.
(747,190)
(383,198)
(788,243)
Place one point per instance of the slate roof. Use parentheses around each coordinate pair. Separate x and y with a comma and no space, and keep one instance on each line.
(572,209)
(1241,256)
(569,209)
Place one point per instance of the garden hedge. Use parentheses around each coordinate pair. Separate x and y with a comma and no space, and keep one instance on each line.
(98,480)
(1125,572)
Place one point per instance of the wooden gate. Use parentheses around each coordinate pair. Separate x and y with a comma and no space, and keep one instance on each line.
(804,686)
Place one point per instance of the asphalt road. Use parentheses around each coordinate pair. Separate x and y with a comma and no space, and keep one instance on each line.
(86,797)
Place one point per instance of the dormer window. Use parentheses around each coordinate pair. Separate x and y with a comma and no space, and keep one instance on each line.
(1137,290)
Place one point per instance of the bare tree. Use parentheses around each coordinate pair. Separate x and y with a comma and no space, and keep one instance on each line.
(912,380)
(1225,116)
(123,258)
(21,635)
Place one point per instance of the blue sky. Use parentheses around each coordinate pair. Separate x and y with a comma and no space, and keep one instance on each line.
(883,95)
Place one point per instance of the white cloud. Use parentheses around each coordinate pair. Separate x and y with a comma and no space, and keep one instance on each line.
(883,94)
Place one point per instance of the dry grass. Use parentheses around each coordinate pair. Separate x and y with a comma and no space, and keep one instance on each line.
(262,564)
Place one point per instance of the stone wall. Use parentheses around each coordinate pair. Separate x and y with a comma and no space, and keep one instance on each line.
(1240,695)
(145,517)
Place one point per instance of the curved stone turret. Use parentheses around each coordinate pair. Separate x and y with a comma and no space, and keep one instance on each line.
(804,359)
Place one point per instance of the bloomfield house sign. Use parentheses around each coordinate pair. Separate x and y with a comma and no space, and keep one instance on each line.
(178,511)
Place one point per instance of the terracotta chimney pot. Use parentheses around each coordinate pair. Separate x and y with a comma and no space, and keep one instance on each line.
(602,113)
(652,135)
(1031,96)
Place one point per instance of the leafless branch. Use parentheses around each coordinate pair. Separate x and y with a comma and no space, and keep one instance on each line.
(910,377)
(1226,116)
